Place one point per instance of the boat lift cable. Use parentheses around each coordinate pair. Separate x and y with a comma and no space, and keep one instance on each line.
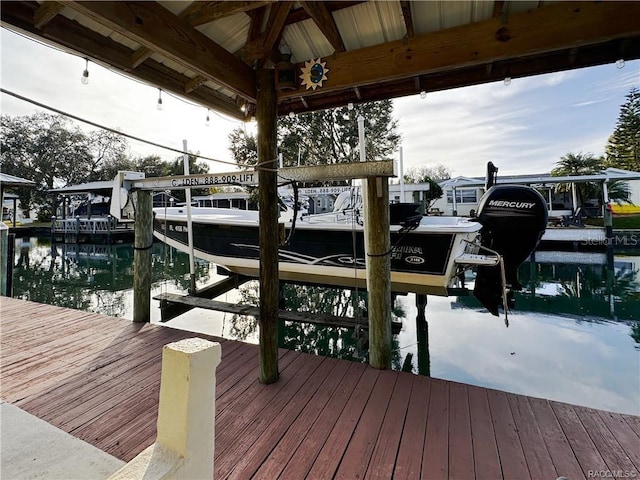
(356,297)
(112,130)
(166,247)
(294,185)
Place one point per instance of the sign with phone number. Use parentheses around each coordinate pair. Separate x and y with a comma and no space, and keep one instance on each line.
(200,180)
(209,180)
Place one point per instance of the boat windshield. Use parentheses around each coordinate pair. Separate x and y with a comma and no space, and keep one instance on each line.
(347,200)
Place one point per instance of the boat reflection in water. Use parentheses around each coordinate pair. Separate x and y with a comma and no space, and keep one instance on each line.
(573,335)
(583,285)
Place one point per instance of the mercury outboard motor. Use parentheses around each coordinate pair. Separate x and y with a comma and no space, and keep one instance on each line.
(513,219)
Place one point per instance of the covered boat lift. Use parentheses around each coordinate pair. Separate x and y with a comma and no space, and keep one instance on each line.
(226,56)
(93,226)
(9,182)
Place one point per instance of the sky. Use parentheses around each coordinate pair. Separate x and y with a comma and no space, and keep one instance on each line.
(524,127)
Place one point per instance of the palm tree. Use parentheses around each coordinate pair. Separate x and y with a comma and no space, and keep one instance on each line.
(574,164)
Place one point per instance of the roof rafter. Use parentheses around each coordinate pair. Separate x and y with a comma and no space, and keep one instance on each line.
(405,5)
(158,29)
(300,14)
(323,18)
(45,13)
(275,24)
(72,35)
(261,48)
(199,13)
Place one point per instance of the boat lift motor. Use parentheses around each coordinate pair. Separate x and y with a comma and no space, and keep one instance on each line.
(122,207)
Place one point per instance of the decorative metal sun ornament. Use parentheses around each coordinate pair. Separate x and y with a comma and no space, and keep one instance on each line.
(314,73)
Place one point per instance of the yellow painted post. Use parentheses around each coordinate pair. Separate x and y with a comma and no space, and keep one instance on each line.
(184,447)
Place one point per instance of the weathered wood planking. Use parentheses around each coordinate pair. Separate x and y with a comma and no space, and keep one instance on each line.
(98,378)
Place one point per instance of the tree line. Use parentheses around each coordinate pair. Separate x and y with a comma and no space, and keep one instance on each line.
(53,152)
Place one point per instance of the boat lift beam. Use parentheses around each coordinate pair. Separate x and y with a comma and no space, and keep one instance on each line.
(310,173)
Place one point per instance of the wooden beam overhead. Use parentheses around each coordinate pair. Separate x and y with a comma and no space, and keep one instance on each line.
(139,56)
(45,13)
(156,28)
(195,82)
(300,14)
(74,36)
(408,17)
(323,18)
(257,17)
(199,13)
(587,56)
(275,25)
(558,36)
(554,27)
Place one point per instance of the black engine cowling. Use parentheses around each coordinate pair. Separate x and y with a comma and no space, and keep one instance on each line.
(513,219)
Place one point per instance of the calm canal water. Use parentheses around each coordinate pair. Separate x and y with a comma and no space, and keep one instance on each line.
(574,336)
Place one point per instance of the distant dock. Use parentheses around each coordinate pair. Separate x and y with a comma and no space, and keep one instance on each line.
(97,378)
(588,239)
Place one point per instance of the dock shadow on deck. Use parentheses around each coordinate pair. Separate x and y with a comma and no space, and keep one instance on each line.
(98,379)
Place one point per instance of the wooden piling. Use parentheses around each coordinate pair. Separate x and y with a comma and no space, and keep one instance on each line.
(266,115)
(378,264)
(422,334)
(142,257)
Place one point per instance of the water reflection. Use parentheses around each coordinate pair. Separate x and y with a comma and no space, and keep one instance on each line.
(95,278)
(339,342)
(574,335)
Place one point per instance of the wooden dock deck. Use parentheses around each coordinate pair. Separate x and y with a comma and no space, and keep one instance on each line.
(97,378)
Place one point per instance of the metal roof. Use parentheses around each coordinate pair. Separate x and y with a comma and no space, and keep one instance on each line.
(544,179)
(12,181)
(209,52)
(90,187)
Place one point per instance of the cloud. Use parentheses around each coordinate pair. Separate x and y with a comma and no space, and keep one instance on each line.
(524,127)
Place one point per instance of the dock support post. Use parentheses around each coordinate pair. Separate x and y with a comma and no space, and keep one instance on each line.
(377,243)
(142,257)
(422,333)
(5,261)
(184,447)
(266,115)
(378,264)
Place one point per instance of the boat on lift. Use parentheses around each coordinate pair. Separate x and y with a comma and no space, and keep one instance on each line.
(428,254)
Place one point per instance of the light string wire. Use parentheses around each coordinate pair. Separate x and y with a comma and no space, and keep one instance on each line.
(112,130)
(117,72)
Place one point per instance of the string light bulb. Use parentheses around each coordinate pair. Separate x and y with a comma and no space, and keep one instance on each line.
(159,105)
(85,75)
(350,106)
(292,114)
(423,94)
(207,121)
(620,63)
(507,76)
